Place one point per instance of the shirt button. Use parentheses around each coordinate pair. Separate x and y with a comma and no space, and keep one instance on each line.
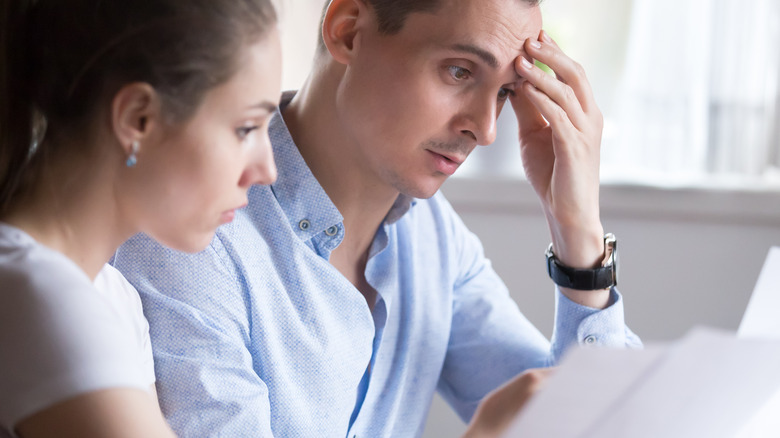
(304,224)
(590,339)
(331,231)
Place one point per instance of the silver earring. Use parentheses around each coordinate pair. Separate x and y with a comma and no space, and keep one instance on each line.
(131,160)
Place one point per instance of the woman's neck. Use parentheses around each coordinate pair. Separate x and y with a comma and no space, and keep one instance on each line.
(73,209)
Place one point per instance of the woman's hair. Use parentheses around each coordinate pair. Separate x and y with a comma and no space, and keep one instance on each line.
(61,61)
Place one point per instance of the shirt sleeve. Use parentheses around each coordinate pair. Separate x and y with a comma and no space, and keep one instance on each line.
(123,295)
(59,339)
(199,329)
(491,341)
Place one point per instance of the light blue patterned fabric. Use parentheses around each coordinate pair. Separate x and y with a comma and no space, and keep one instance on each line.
(259,335)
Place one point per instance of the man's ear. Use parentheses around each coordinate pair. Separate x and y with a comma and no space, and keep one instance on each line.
(341,26)
(135,112)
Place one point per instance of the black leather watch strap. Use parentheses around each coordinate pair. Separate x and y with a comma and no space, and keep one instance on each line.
(584,279)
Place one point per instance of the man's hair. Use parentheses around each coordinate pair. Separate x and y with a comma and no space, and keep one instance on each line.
(391,14)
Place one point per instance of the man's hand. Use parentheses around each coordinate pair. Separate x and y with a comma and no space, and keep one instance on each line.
(497,410)
(560,142)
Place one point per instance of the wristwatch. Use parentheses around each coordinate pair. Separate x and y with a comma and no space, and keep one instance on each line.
(599,278)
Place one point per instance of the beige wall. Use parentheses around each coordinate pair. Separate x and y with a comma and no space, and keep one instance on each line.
(687,256)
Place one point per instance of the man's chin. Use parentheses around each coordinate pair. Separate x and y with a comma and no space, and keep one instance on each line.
(423,190)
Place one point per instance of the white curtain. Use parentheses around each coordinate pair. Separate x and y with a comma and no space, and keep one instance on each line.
(699,95)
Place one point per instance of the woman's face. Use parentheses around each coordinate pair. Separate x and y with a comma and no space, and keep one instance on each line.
(194,176)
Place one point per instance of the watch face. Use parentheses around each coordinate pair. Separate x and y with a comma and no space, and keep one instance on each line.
(615,269)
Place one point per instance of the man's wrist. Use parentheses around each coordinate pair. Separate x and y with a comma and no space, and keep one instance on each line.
(581,248)
(600,277)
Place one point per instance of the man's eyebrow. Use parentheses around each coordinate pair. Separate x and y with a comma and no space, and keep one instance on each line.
(486,56)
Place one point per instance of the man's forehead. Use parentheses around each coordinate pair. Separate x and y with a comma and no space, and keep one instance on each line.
(489,29)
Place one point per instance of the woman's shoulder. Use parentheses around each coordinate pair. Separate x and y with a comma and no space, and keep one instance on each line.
(113,285)
(58,336)
(31,271)
(43,292)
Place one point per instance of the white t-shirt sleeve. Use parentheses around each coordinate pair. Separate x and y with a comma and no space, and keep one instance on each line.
(59,338)
(124,297)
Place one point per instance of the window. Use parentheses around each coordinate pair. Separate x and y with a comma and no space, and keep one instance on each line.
(688,88)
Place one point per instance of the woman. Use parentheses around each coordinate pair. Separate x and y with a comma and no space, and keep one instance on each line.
(116,117)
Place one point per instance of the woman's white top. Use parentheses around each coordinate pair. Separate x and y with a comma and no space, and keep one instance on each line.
(61,335)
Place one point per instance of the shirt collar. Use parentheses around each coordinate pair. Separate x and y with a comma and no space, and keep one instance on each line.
(401,205)
(300,195)
(308,208)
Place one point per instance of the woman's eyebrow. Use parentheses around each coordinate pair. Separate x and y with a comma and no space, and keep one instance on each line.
(266,105)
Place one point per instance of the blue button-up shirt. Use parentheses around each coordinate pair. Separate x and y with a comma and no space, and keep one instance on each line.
(260,335)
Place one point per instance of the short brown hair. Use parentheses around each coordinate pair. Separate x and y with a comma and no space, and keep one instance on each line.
(391,14)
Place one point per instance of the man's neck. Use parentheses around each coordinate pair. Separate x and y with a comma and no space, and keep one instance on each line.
(332,155)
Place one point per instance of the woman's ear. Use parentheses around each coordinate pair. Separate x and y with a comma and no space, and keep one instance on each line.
(341,26)
(135,112)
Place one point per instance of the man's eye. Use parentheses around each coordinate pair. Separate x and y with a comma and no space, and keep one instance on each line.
(459,73)
(244,131)
(504,93)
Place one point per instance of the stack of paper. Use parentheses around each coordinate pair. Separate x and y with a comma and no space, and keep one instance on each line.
(762,320)
(709,384)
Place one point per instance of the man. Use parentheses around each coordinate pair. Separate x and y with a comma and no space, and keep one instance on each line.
(349,291)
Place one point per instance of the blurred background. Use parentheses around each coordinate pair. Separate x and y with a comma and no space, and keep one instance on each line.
(690,159)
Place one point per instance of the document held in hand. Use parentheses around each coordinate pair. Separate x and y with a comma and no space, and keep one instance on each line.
(762,320)
(710,383)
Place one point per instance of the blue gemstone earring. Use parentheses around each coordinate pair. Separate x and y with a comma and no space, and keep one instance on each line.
(131,160)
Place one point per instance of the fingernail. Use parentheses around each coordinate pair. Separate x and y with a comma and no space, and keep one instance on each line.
(535,44)
(546,37)
(527,64)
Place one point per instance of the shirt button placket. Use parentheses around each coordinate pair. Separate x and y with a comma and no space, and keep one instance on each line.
(304,225)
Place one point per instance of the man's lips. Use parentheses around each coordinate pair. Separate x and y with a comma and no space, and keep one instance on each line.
(446,164)
(454,158)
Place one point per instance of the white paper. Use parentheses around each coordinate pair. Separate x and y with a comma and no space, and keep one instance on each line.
(709,384)
(600,376)
(766,423)
(762,319)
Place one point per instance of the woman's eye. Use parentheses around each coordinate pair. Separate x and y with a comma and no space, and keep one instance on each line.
(504,93)
(244,131)
(459,73)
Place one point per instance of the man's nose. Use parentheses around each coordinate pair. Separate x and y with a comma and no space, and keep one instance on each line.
(478,120)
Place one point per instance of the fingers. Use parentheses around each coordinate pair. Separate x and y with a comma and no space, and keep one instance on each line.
(556,100)
(499,408)
(567,71)
(530,382)
(529,119)
(560,122)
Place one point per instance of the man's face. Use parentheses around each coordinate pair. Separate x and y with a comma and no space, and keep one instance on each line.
(419,101)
